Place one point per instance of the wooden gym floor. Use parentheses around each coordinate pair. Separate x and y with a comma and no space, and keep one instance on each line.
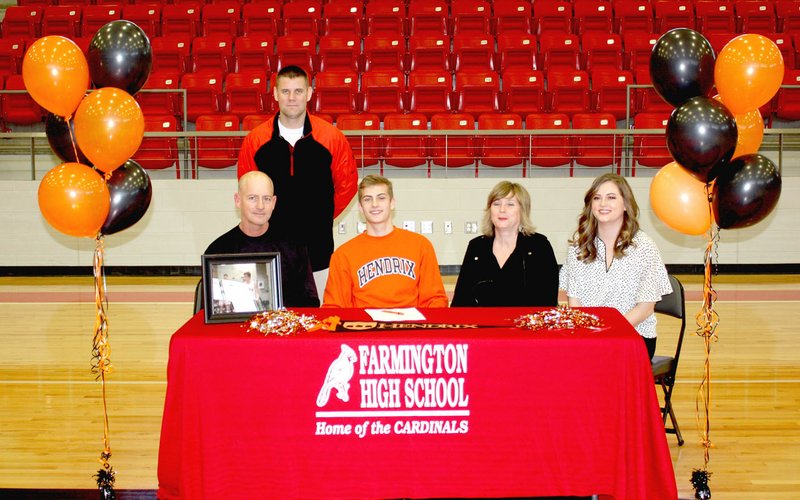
(51,411)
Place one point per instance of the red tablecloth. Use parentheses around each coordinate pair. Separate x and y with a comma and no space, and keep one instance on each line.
(444,412)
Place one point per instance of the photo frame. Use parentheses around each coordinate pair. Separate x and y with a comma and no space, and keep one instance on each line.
(237,286)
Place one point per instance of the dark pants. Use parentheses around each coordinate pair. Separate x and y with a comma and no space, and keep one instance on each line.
(651,347)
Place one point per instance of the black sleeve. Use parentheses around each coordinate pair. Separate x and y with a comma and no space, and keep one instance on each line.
(543,274)
(301,291)
(464,296)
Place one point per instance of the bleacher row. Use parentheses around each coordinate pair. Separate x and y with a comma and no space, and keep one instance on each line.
(511,64)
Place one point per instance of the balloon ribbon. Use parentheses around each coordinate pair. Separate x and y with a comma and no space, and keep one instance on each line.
(707,320)
(101,366)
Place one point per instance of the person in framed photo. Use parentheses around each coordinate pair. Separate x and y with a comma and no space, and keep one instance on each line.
(385,266)
(256,199)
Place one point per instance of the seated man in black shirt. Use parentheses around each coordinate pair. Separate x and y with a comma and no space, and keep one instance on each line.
(256,200)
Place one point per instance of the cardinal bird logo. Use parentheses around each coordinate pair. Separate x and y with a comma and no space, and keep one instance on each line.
(339,374)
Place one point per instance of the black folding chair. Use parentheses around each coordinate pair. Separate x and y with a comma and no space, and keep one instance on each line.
(665,367)
(198,297)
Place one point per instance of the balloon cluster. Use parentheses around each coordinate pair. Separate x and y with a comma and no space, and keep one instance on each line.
(98,190)
(718,175)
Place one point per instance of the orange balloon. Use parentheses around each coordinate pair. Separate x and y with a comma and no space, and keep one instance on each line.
(56,74)
(750,126)
(680,200)
(748,72)
(74,199)
(109,127)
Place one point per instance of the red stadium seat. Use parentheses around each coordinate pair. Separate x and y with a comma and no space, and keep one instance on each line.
(261,19)
(473,51)
(383,92)
(246,93)
(64,20)
(671,14)
(171,53)
(250,122)
(611,94)
(477,92)
(217,152)
(181,19)
(429,51)
(20,108)
(471,16)
(559,50)
(569,91)
(647,99)
(366,149)
(97,16)
(147,16)
(713,16)
(405,151)
(501,150)
(430,92)
(453,150)
(516,50)
(385,17)
(428,16)
(601,50)
(213,52)
(637,50)
(22,21)
(160,94)
(650,150)
(787,14)
(552,16)
(157,153)
(203,93)
(524,91)
(253,53)
(298,49)
(596,150)
(384,51)
(339,52)
(336,93)
(302,17)
(12,51)
(513,17)
(342,17)
(755,17)
(633,16)
(788,99)
(221,18)
(593,16)
(549,150)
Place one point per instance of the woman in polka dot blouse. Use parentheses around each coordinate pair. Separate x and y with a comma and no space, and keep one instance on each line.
(613,263)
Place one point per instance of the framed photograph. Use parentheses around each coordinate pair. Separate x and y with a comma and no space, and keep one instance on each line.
(237,286)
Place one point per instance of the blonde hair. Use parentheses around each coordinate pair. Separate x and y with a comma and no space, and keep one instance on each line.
(587,224)
(500,191)
(375,180)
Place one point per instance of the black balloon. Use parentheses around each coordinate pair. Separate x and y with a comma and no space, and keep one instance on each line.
(682,66)
(746,191)
(120,56)
(130,190)
(60,135)
(701,136)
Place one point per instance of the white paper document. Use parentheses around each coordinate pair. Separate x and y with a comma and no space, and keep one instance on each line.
(396,314)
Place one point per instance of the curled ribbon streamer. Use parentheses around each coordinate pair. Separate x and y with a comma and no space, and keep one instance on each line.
(101,365)
(560,318)
(707,321)
(282,322)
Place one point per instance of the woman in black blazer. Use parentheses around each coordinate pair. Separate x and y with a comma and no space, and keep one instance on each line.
(510,264)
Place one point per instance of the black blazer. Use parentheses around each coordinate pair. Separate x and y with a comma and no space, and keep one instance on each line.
(528,278)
